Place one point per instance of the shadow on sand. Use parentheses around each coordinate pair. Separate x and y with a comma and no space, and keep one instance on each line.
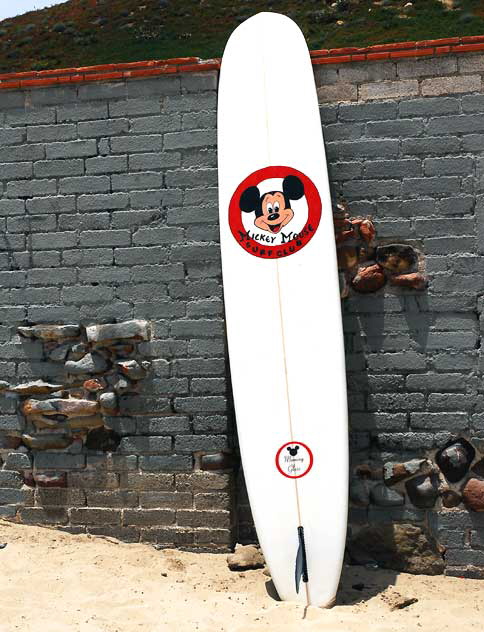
(357,584)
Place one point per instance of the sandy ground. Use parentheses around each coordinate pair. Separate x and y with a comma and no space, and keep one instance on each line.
(64,583)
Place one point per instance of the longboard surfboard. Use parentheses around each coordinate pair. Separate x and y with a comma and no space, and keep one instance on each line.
(282,306)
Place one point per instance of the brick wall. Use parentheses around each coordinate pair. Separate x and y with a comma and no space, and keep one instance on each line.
(109,212)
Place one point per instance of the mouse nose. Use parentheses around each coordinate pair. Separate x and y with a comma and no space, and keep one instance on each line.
(273,216)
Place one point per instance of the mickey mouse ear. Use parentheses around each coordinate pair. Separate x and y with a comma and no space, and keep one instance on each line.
(250,200)
(288,448)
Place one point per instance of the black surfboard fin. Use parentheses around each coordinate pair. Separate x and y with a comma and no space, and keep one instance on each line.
(301,560)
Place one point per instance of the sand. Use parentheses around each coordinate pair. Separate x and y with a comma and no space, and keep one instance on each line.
(59,582)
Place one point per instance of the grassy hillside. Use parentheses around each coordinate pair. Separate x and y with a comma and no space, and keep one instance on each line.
(85,32)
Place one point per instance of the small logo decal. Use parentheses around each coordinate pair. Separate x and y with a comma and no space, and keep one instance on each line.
(294,459)
(274,212)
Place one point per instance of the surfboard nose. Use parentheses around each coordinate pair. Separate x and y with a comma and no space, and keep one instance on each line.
(259,20)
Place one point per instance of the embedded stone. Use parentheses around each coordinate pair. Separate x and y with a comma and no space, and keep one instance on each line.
(103,439)
(48,421)
(400,547)
(108,401)
(455,459)
(131,369)
(414,280)
(395,472)
(50,479)
(94,385)
(473,494)
(9,442)
(450,498)
(47,441)
(78,351)
(38,387)
(359,492)
(77,393)
(342,207)
(72,407)
(369,279)
(423,491)
(396,258)
(367,231)
(344,288)
(384,496)
(90,363)
(218,461)
(134,329)
(29,478)
(341,223)
(478,443)
(18,461)
(478,468)
(50,332)
(121,384)
(347,257)
(85,423)
(366,253)
(77,445)
(345,235)
(122,350)
(59,352)
(366,471)
(245,558)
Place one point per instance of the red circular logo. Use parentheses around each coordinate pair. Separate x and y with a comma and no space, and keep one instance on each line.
(294,459)
(274,212)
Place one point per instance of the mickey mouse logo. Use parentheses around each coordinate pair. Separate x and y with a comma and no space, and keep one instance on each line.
(294,459)
(274,212)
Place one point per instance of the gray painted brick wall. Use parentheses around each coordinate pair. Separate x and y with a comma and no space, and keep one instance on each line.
(108,211)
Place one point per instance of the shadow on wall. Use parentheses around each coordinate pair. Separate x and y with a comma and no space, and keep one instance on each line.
(383,530)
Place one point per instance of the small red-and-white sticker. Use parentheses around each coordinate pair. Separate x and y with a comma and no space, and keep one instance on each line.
(294,459)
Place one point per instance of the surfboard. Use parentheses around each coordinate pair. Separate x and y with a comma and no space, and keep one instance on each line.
(282,306)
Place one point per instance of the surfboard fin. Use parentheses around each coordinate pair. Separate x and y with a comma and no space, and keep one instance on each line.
(301,560)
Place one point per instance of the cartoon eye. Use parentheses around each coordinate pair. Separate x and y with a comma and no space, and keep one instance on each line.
(269,208)
(276,206)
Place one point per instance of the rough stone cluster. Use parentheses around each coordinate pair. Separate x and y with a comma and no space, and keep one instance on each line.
(364,265)
(454,474)
(98,364)
(450,477)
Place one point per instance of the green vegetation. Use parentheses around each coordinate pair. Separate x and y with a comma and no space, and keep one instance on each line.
(79,32)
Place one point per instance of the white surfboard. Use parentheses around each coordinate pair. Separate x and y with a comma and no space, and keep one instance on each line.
(282,306)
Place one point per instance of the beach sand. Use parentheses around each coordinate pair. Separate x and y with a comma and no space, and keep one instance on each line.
(57,582)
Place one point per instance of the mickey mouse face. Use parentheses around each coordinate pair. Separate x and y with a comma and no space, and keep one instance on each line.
(273,209)
(293,451)
(275,214)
